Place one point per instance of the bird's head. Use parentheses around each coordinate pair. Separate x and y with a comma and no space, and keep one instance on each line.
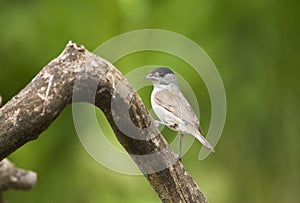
(162,76)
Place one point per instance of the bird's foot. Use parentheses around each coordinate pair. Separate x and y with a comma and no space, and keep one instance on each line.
(157,123)
(179,157)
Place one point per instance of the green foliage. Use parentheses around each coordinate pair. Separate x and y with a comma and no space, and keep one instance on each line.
(254,44)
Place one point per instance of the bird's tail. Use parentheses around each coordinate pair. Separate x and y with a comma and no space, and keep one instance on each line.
(205,143)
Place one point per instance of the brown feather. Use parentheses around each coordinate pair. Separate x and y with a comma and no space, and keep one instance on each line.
(179,106)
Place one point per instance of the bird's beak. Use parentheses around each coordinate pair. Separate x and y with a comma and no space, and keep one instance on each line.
(148,77)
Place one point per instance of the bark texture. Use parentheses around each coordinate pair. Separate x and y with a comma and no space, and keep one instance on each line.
(14,178)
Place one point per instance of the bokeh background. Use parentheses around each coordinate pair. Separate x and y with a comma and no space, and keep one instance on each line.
(255,46)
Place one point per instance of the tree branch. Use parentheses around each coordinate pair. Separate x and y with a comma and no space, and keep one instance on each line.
(12,177)
(75,72)
(15,178)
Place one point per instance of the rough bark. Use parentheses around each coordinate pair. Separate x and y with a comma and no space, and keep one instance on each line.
(75,71)
(14,178)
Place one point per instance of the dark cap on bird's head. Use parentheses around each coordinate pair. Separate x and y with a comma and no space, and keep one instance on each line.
(162,71)
(162,75)
(159,72)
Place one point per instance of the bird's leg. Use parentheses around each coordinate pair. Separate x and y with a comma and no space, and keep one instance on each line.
(180,144)
(157,123)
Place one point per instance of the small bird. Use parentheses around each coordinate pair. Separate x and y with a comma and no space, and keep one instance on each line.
(172,108)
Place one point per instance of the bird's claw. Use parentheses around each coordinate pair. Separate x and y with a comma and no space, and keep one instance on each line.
(179,157)
(156,123)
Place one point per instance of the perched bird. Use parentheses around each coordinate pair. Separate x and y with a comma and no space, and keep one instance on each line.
(172,108)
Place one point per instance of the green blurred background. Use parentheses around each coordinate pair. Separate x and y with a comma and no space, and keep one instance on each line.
(255,46)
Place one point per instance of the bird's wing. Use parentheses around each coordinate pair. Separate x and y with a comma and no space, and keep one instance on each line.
(177,105)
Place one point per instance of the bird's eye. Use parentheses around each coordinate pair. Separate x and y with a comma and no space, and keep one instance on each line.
(158,74)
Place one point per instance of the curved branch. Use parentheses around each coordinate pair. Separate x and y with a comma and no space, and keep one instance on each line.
(75,71)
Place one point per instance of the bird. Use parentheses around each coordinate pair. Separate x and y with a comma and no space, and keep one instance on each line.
(172,108)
